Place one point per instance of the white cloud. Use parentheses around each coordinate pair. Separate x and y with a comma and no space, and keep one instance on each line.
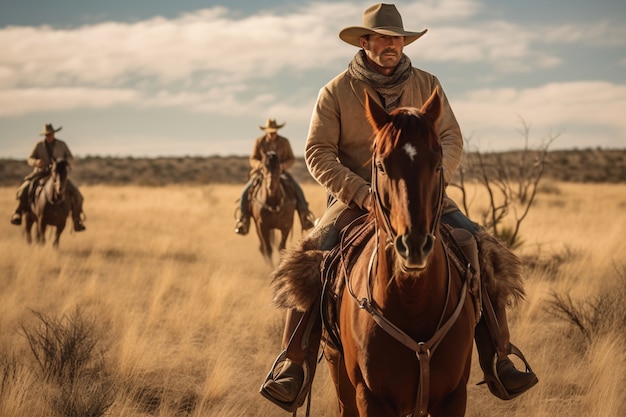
(594,108)
(14,102)
(218,63)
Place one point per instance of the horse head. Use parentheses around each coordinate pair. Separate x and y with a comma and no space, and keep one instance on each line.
(271,172)
(59,172)
(407,178)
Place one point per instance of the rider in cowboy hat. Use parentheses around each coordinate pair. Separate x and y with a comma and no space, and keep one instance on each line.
(337,150)
(41,159)
(272,141)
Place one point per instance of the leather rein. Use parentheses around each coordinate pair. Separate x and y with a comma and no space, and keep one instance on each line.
(423,350)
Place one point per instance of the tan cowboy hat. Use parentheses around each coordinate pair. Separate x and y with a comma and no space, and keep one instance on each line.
(48,128)
(271,126)
(380,18)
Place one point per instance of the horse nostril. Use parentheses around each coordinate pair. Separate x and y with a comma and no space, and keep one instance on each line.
(401,246)
(429,242)
(422,247)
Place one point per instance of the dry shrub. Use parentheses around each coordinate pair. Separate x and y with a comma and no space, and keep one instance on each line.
(596,316)
(70,364)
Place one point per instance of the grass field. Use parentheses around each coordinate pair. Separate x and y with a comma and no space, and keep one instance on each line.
(163,311)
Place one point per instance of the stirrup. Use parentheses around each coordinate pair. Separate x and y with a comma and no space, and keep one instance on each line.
(302,394)
(496,386)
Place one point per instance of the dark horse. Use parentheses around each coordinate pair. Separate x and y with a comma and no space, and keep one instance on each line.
(51,205)
(272,206)
(405,318)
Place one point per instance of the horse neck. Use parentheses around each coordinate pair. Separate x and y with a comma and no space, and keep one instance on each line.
(50,189)
(273,186)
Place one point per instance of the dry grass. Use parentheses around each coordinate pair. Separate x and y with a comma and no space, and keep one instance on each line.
(180,306)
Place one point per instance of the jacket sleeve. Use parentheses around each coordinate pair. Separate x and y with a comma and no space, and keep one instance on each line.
(322,152)
(287,158)
(450,136)
(35,155)
(256,157)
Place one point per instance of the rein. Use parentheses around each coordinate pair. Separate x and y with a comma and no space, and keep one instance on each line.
(423,350)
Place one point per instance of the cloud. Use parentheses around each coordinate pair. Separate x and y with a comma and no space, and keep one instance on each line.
(580,111)
(215,44)
(217,62)
(14,102)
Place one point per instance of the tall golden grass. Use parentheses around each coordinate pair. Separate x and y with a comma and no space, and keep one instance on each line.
(180,306)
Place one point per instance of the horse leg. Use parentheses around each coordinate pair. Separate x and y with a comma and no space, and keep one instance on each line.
(368,405)
(28,226)
(454,405)
(41,231)
(58,235)
(266,245)
(346,393)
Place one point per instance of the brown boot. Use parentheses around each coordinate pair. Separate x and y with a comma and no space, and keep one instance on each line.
(492,341)
(289,380)
(243,225)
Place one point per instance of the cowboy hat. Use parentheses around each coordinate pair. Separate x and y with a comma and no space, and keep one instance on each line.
(48,128)
(380,18)
(271,126)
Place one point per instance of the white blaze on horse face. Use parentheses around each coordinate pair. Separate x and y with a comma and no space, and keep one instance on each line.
(410,150)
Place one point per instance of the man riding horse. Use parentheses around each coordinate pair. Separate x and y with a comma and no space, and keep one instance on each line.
(41,157)
(271,141)
(337,152)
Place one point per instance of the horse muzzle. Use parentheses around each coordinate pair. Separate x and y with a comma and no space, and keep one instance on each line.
(414,252)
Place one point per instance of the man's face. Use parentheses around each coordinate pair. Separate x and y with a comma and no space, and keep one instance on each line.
(271,135)
(49,137)
(383,51)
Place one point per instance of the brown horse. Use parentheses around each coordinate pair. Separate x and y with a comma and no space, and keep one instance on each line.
(51,204)
(272,206)
(406,322)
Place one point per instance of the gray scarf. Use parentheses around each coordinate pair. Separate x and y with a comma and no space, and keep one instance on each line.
(389,87)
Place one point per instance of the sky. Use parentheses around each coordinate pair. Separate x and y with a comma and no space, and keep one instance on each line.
(197,78)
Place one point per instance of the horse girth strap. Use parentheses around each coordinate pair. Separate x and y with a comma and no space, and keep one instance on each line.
(423,350)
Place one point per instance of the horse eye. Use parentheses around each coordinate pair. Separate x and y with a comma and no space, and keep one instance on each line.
(380,167)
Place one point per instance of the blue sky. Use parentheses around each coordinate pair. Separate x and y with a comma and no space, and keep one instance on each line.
(164,78)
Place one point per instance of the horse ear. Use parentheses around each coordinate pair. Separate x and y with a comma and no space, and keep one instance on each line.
(377,116)
(432,107)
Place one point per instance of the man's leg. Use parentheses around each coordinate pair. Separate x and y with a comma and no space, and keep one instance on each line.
(76,206)
(492,336)
(22,205)
(243,222)
(301,336)
(307,219)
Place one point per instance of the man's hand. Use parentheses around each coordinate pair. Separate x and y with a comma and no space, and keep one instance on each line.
(39,163)
(368,204)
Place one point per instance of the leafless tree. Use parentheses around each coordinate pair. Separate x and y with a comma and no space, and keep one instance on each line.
(511,181)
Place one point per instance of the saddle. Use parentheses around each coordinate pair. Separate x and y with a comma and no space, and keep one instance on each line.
(356,230)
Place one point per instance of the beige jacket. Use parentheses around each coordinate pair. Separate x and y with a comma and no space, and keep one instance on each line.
(39,152)
(338,146)
(280,145)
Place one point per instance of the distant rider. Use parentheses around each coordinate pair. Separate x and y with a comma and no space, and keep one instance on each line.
(271,141)
(41,157)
